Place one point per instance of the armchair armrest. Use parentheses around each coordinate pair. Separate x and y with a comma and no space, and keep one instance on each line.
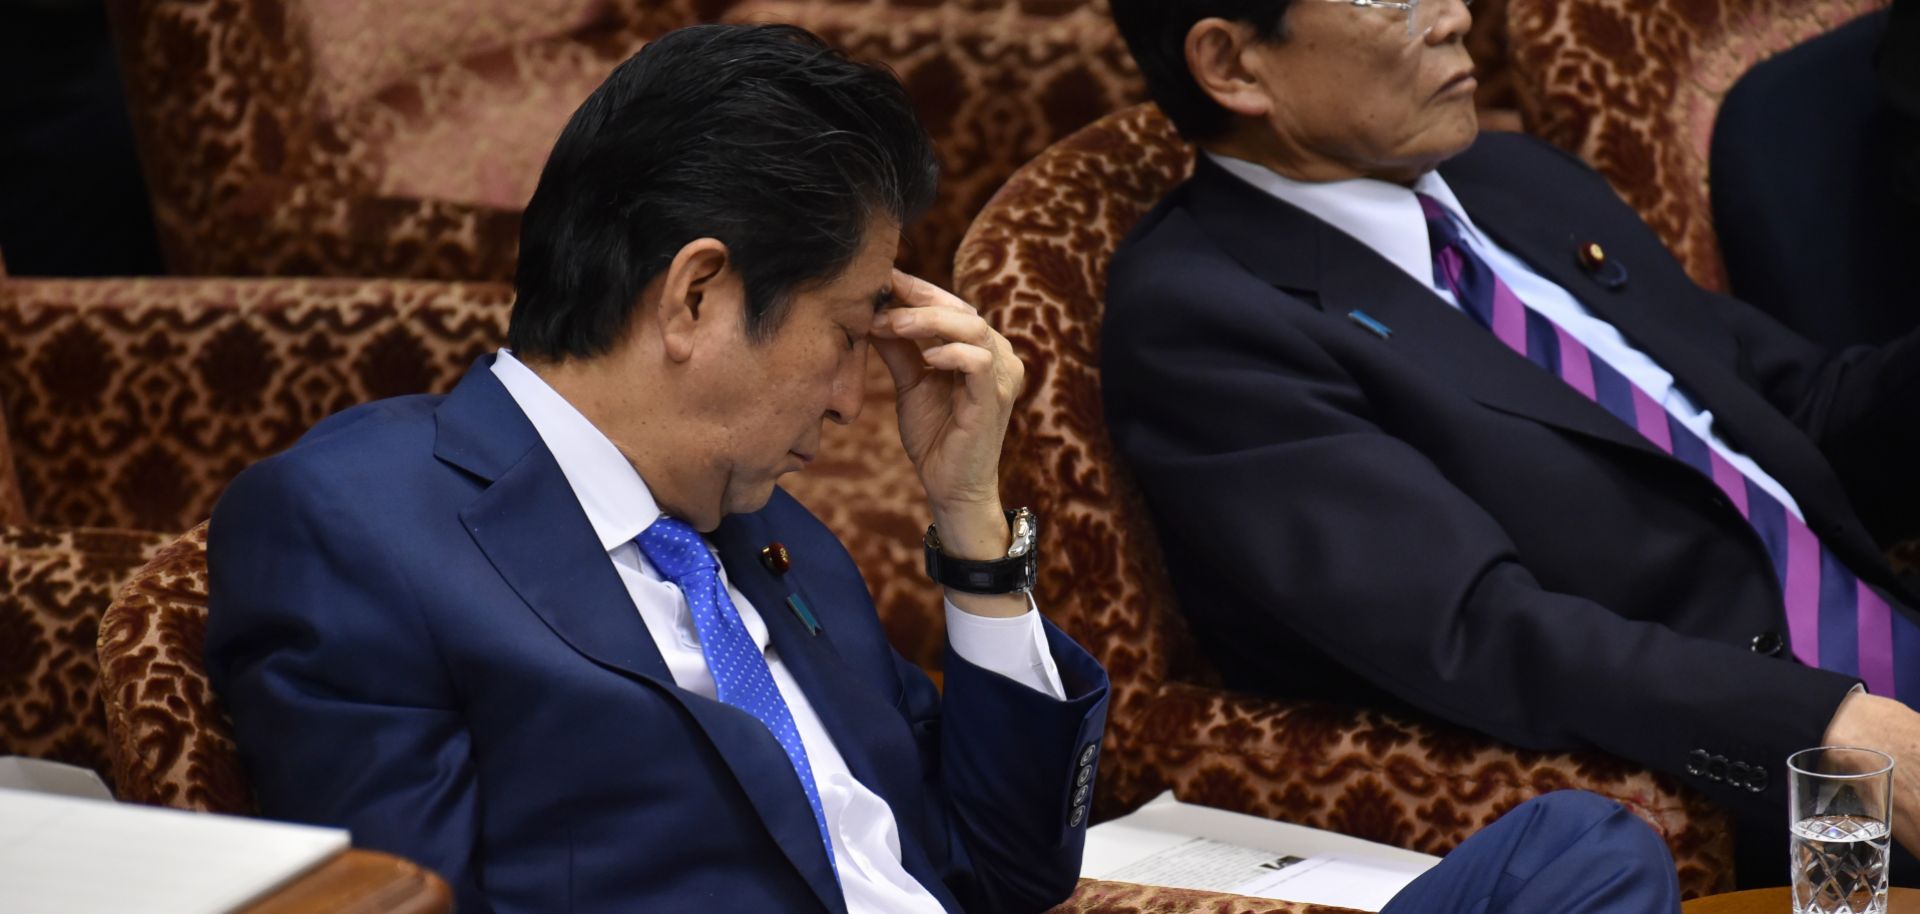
(1095,896)
(1417,784)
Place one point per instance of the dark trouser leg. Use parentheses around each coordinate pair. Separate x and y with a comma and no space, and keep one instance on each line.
(1565,853)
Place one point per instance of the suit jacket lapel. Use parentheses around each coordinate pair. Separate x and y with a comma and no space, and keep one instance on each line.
(1297,252)
(1676,338)
(531,527)
(852,713)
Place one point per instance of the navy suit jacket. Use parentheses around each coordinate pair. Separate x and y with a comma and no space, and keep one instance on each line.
(420,638)
(1427,517)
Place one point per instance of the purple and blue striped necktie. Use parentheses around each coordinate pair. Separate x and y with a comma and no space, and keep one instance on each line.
(1835,621)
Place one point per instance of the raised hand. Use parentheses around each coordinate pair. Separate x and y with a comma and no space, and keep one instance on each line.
(956,380)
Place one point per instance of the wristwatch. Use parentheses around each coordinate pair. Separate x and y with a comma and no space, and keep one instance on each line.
(1014,574)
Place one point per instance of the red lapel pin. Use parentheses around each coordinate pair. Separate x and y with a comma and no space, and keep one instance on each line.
(776,558)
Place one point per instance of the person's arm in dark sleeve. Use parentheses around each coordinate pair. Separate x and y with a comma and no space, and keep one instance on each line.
(1011,763)
(1860,406)
(341,706)
(1263,456)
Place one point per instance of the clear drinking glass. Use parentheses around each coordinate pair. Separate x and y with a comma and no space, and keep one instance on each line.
(1841,809)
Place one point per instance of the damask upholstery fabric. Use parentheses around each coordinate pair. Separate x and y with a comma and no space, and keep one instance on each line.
(54,586)
(282,137)
(1035,264)
(1095,896)
(13,508)
(171,741)
(1633,89)
(131,403)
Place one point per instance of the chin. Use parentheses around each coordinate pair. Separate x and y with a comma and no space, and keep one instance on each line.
(1453,139)
(750,499)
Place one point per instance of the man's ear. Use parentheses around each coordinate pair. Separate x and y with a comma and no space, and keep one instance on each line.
(1216,56)
(692,295)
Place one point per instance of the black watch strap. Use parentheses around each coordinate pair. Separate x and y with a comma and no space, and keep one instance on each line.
(1016,573)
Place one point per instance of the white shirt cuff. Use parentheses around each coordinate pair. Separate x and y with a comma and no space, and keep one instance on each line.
(1014,647)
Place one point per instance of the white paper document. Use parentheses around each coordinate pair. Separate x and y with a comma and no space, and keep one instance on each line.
(60,855)
(1171,843)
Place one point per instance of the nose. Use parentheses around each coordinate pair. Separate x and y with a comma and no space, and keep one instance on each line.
(849,390)
(1451,20)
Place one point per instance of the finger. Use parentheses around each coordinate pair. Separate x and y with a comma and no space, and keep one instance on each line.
(972,363)
(911,291)
(903,362)
(928,323)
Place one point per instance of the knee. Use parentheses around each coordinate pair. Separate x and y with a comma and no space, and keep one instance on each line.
(1588,819)
(1574,807)
(1585,845)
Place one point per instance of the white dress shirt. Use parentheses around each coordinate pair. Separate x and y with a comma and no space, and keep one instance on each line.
(865,835)
(1385,217)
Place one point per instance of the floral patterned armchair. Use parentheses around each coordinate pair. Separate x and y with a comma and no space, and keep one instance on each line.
(1034,262)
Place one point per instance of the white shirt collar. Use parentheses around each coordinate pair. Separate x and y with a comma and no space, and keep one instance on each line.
(617,501)
(1379,214)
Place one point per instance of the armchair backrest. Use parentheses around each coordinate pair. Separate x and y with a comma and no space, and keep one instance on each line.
(131,403)
(1035,264)
(1633,88)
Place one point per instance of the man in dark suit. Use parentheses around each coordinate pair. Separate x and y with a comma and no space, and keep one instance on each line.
(1432,419)
(558,635)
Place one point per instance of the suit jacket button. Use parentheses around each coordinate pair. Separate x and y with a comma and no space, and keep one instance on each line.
(1697,762)
(1085,775)
(1080,794)
(1739,773)
(1078,816)
(1717,768)
(1086,755)
(1769,643)
(1758,783)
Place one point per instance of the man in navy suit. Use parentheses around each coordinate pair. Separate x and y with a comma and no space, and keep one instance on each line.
(558,636)
(1433,418)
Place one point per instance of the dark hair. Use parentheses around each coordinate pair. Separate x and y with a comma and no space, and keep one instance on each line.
(760,136)
(1156,33)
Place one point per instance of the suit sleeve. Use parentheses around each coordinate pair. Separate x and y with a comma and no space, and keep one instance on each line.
(1013,768)
(1861,405)
(340,704)
(1264,458)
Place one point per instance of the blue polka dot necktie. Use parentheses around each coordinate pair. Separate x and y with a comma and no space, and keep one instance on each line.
(739,668)
(1835,621)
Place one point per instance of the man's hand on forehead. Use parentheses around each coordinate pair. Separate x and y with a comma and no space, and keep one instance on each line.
(956,380)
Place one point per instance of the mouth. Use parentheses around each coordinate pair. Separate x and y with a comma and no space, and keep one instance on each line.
(1460,82)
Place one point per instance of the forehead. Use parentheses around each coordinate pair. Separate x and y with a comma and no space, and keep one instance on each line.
(871,270)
